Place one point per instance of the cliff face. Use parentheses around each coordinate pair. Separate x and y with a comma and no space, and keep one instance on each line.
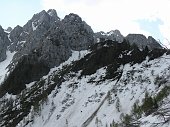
(4,42)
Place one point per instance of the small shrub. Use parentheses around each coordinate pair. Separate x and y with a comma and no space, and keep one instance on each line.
(149,104)
(163,93)
(160,80)
(136,111)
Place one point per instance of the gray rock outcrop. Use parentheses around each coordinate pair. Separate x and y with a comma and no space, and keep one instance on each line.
(70,34)
(9,29)
(153,43)
(141,41)
(79,34)
(18,38)
(114,35)
(27,38)
(40,22)
(4,42)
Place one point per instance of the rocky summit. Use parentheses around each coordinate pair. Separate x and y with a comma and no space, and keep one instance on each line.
(59,73)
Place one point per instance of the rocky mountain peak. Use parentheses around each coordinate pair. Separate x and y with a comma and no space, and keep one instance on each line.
(115,32)
(15,33)
(18,37)
(42,20)
(114,35)
(17,28)
(135,36)
(141,41)
(138,39)
(72,18)
(53,13)
(79,32)
(9,29)
(41,16)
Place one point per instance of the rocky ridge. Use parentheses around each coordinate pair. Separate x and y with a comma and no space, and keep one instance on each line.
(140,40)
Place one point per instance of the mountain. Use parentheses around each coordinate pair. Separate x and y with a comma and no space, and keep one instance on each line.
(58,72)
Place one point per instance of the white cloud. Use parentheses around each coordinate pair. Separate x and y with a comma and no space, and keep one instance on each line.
(116,14)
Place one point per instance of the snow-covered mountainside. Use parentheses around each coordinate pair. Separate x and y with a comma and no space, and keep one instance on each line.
(58,73)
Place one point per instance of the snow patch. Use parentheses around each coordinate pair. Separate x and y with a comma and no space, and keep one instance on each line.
(21,43)
(9,38)
(34,27)
(30,84)
(4,64)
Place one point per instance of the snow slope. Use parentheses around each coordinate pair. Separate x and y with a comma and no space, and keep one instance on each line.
(89,102)
(4,64)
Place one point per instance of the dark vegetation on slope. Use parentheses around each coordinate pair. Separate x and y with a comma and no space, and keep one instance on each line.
(34,97)
(27,70)
(113,55)
(150,105)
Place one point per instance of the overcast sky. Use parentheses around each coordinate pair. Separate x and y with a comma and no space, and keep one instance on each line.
(149,17)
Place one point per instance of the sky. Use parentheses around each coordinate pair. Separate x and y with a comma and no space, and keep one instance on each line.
(148,17)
